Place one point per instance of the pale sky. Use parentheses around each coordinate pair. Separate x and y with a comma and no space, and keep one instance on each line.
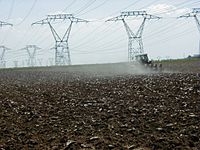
(98,41)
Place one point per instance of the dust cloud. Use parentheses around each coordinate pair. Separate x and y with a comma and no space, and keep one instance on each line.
(106,69)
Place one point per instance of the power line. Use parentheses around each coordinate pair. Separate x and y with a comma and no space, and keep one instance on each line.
(87,5)
(94,31)
(98,6)
(171,37)
(9,15)
(170,26)
(24,35)
(96,39)
(99,27)
(164,30)
(104,51)
(161,30)
(130,5)
(5,36)
(29,13)
(153,43)
(194,14)
(11,9)
(68,6)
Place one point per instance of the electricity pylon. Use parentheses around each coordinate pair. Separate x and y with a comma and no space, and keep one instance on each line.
(194,14)
(31,50)
(135,46)
(62,53)
(3,49)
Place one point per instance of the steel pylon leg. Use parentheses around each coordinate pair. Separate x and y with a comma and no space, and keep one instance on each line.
(135,46)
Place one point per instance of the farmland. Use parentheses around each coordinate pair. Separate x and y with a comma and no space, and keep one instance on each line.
(100,107)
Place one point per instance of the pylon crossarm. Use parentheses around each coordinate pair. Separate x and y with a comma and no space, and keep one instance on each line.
(196,10)
(3,47)
(51,18)
(41,22)
(23,49)
(5,24)
(149,17)
(76,20)
(116,18)
(59,17)
(53,48)
(187,15)
(133,13)
(194,13)
(139,13)
(32,46)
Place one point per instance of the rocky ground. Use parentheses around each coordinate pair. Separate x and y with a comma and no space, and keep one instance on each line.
(52,109)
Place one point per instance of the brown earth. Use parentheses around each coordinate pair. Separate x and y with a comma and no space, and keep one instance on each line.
(54,109)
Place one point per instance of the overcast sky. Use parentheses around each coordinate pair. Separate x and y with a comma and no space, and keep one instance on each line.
(98,41)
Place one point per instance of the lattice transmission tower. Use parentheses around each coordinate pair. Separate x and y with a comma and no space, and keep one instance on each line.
(62,53)
(3,49)
(31,50)
(135,44)
(194,14)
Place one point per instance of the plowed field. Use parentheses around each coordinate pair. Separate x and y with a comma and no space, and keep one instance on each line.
(54,109)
